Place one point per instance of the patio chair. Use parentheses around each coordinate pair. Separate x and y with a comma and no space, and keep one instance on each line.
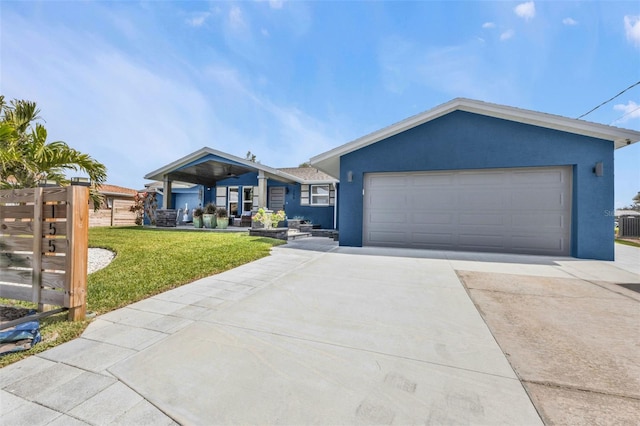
(245,219)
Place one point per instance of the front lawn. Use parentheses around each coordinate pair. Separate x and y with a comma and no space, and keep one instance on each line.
(634,243)
(147,262)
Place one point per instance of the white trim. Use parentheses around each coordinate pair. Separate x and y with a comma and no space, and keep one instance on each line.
(335,208)
(329,162)
(305,195)
(312,195)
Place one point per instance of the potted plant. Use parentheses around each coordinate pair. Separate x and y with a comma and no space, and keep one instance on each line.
(197,217)
(222,218)
(208,218)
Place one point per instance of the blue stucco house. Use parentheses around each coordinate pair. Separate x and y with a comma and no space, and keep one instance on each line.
(475,176)
(242,186)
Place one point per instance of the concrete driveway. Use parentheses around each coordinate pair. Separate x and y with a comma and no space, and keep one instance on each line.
(313,334)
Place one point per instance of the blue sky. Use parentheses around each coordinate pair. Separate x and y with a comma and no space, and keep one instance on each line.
(139,84)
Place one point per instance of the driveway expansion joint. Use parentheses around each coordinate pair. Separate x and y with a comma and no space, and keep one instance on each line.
(338,345)
(579,389)
(546,296)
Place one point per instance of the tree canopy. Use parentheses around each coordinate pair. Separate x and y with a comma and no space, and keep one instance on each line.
(27,159)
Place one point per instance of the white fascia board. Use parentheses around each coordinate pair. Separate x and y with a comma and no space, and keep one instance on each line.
(329,162)
(620,137)
(320,181)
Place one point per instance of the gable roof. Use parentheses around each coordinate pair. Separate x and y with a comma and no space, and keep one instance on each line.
(309,174)
(329,161)
(240,164)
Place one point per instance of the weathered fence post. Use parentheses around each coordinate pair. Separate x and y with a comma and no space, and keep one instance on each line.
(36,264)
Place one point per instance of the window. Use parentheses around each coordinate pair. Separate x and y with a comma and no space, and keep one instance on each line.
(247,198)
(319,195)
(221,196)
(233,201)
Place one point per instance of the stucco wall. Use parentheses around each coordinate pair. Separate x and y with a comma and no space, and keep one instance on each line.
(322,215)
(462,140)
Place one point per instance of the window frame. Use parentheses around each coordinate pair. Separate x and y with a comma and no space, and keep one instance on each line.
(313,197)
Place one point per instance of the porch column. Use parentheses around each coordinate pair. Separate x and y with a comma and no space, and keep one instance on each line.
(262,189)
(166,193)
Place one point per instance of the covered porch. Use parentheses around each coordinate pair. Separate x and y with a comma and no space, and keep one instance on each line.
(239,185)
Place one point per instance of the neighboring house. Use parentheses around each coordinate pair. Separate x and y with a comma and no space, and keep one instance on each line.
(627,213)
(115,207)
(242,186)
(475,176)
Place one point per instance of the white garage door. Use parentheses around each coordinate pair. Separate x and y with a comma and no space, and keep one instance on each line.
(524,210)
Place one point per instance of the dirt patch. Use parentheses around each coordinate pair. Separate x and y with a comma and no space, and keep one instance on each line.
(573,343)
(10,313)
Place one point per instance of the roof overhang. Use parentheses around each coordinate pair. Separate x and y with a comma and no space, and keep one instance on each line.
(329,162)
(199,168)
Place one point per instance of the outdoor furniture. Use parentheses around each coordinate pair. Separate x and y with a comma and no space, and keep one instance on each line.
(245,219)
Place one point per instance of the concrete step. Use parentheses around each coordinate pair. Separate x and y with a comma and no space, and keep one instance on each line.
(324,233)
(297,235)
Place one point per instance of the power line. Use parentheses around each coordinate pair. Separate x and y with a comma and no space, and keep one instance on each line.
(609,100)
(620,118)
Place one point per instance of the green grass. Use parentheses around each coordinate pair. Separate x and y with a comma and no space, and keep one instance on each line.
(147,262)
(628,243)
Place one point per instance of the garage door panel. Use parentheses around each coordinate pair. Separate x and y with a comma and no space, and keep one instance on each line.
(480,200)
(389,217)
(542,243)
(388,181)
(539,200)
(431,218)
(425,239)
(386,199)
(481,240)
(484,179)
(388,237)
(489,218)
(554,221)
(506,210)
(440,180)
(538,177)
(426,200)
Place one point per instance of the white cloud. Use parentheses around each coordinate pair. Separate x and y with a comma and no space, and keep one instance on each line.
(198,19)
(526,10)
(135,117)
(569,21)
(236,19)
(632,28)
(276,4)
(630,111)
(488,25)
(507,35)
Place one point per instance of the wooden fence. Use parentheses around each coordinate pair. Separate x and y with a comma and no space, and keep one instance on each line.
(118,215)
(44,247)
(629,227)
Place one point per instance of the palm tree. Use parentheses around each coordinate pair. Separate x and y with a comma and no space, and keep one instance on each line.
(26,158)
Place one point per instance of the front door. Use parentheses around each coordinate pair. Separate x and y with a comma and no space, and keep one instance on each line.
(276,198)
